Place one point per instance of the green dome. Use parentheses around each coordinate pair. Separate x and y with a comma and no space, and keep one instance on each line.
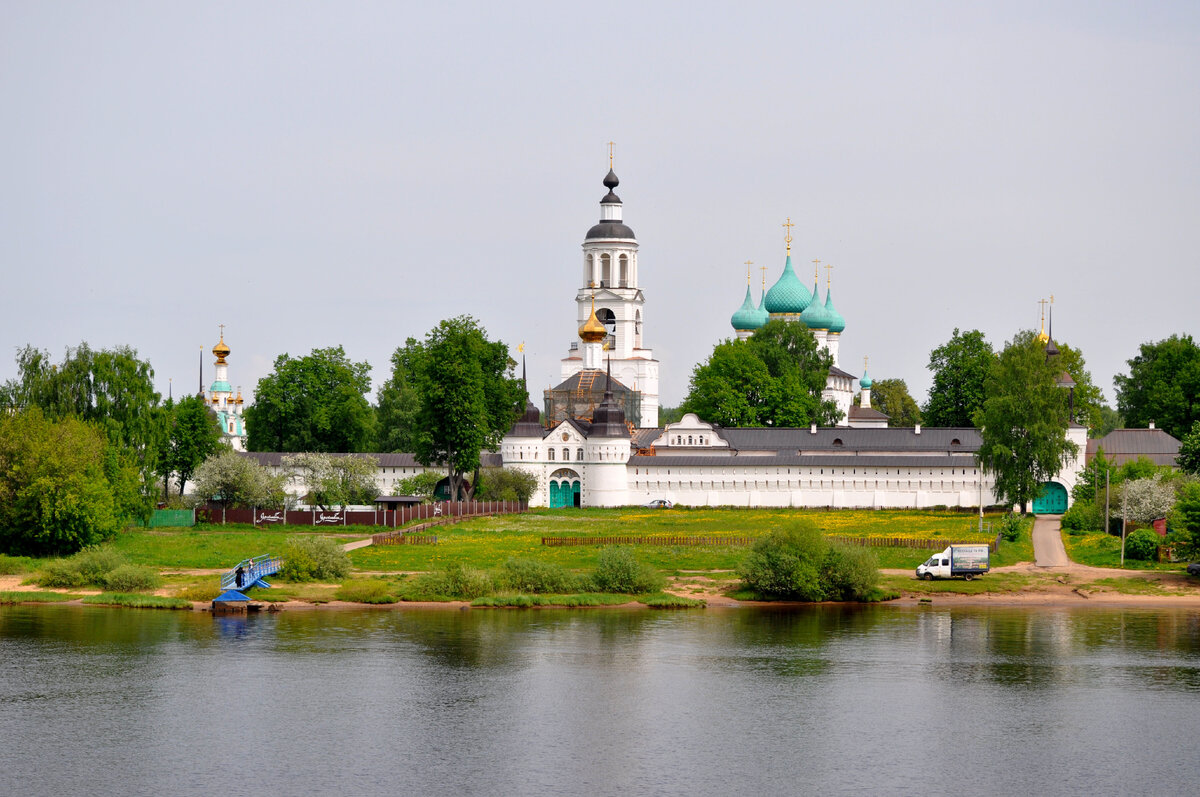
(788,295)
(761,313)
(814,316)
(836,322)
(746,316)
(865,383)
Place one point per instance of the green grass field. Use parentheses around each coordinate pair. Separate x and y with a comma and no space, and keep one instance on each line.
(1104,550)
(215,546)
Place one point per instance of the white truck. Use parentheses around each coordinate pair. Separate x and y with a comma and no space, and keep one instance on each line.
(967,561)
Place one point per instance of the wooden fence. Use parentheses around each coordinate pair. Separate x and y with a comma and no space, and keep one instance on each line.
(908,542)
(214,513)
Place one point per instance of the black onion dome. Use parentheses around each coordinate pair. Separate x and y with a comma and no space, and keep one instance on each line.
(610,229)
(610,180)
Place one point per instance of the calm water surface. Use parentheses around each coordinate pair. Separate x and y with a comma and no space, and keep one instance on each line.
(817,700)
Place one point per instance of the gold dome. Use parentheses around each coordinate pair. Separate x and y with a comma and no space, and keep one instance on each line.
(592,330)
(221,351)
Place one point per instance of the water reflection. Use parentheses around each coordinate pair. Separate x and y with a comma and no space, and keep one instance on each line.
(801,699)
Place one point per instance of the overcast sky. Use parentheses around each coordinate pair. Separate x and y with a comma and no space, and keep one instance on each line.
(315,174)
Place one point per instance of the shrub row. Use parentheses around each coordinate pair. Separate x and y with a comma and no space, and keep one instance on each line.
(95,567)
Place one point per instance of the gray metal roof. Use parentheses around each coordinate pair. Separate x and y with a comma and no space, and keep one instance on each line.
(1126,445)
(867,413)
(850,439)
(827,461)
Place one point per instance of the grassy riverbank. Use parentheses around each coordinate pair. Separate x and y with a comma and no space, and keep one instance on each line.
(480,547)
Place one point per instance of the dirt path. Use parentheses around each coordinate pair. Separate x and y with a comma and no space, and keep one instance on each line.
(1048,548)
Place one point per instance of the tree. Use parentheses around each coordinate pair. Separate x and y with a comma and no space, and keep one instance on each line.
(193,435)
(1087,397)
(468,397)
(773,378)
(1163,386)
(1024,421)
(669,415)
(55,494)
(1107,419)
(398,407)
(798,562)
(1185,520)
(1144,501)
(422,485)
(234,480)
(960,368)
(1189,451)
(505,484)
(335,481)
(110,388)
(891,397)
(312,403)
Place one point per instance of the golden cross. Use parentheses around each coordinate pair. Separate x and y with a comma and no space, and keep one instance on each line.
(816,269)
(828,275)
(865,360)
(1052,298)
(222,326)
(787,237)
(763,269)
(521,348)
(749,263)
(611,144)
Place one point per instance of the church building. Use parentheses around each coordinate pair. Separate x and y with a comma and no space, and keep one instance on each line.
(601,445)
(221,400)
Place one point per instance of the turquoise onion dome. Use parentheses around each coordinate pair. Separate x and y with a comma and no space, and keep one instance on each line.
(761,313)
(836,322)
(865,383)
(788,295)
(814,316)
(746,316)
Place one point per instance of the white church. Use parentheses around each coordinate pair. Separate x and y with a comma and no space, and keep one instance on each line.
(601,445)
(597,442)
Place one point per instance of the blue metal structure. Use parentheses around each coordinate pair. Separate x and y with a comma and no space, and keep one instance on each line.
(254,572)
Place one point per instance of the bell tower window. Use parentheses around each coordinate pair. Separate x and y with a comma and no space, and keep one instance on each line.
(624,271)
(605,271)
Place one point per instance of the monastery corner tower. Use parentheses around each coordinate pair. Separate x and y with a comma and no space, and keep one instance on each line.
(610,280)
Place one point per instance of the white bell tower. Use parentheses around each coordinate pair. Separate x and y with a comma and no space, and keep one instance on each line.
(610,273)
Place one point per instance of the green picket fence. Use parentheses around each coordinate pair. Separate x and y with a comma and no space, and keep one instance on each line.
(171,517)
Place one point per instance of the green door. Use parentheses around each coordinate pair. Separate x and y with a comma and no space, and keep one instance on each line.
(1052,501)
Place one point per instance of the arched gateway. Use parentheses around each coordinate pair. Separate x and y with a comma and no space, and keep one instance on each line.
(564,488)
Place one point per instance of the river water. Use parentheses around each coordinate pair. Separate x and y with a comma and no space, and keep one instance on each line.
(810,700)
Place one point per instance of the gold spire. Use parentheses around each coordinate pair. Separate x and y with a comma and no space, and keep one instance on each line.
(1042,337)
(749,263)
(763,269)
(592,330)
(611,144)
(221,350)
(828,276)
(787,236)
(816,270)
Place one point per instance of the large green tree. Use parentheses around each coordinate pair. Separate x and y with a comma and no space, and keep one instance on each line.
(891,397)
(111,389)
(1162,386)
(1024,421)
(398,407)
(232,480)
(773,378)
(1089,402)
(960,368)
(193,435)
(468,396)
(55,493)
(312,403)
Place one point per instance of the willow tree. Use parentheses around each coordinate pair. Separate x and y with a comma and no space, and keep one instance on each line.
(1024,421)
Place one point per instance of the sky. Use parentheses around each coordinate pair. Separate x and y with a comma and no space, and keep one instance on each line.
(322,174)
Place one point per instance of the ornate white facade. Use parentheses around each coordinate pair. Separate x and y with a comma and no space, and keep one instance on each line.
(224,403)
(610,279)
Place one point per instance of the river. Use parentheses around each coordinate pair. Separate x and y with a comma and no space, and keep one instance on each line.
(809,700)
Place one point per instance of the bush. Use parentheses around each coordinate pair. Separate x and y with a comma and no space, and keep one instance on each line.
(370,591)
(310,558)
(1142,544)
(455,581)
(131,578)
(1083,516)
(618,570)
(532,576)
(786,563)
(505,484)
(90,566)
(1010,526)
(10,565)
(849,573)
